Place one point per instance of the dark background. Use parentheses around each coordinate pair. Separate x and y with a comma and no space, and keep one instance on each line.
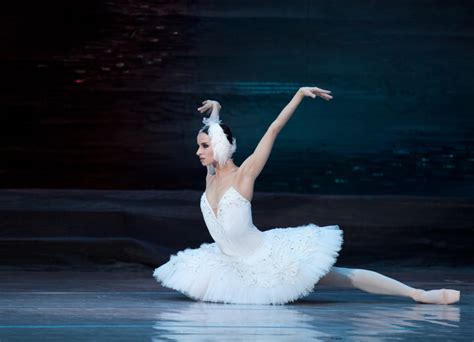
(100,184)
(103,94)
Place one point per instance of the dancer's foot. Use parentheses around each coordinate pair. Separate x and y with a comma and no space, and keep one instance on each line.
(443,296)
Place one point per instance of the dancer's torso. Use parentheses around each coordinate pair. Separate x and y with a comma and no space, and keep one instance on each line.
(232,227)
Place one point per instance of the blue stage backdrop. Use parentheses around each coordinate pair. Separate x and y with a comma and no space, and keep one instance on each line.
(103,94)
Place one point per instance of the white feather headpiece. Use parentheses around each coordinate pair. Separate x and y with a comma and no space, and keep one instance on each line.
(221,146)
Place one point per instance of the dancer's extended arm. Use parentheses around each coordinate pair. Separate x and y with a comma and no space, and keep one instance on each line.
(255,163)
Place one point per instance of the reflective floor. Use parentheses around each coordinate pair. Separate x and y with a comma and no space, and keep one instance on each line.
(131,306)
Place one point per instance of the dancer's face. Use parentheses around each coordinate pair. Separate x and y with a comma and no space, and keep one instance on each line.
(205,152)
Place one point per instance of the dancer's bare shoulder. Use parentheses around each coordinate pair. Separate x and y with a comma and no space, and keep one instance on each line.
(244,185)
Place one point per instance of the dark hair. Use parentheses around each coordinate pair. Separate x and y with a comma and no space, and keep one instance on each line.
(225,128)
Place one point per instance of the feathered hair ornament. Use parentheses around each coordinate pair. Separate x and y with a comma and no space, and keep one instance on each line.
(221,146)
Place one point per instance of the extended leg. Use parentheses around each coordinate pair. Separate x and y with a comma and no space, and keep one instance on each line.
(377,283)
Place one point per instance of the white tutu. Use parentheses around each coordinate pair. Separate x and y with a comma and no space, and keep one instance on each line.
(247,266)
(285,267)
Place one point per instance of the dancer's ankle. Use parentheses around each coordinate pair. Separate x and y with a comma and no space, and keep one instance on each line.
(416,294)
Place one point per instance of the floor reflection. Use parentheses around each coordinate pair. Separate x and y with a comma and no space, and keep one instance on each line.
(205,321)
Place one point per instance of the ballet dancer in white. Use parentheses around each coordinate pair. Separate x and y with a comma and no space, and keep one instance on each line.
(277,266)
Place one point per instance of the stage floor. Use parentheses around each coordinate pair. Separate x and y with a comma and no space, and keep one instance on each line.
(126,304)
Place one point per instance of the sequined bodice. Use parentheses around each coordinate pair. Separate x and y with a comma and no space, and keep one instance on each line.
(232,228)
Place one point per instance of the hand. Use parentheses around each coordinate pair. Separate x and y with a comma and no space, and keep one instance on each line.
(315,91)
(209,105)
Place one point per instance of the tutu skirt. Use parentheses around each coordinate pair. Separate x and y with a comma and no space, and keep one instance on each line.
(283,269)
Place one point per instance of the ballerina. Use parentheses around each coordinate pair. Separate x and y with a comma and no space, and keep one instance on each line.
(247,266)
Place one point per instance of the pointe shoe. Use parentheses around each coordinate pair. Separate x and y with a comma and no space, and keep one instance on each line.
(442,296)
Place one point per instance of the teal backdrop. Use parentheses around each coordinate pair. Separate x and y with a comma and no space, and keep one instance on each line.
(103,95)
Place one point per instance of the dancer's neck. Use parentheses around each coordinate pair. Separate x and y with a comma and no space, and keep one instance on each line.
(226,169)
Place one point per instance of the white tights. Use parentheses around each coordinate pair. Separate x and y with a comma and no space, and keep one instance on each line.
(377,283)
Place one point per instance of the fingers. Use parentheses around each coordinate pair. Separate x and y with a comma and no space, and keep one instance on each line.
(204,109)
(327,97)
(319,90)
(323,90)
(313,92)
(322,93)
(207,105)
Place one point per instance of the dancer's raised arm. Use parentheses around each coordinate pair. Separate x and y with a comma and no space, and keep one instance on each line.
(255,163)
